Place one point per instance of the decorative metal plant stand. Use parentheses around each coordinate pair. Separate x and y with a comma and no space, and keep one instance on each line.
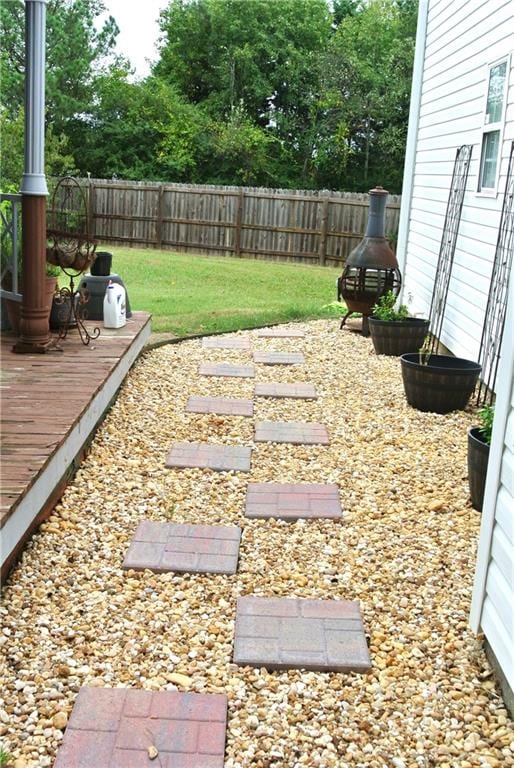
(70,247)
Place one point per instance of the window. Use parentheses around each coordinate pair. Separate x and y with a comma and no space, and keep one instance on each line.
(492,129)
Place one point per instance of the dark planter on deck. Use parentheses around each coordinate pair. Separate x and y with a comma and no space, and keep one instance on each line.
(445,384)
(478,457)
(397,337)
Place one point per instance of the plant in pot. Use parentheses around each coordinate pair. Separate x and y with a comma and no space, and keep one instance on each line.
(393,331)
(14,307)
(438,383)
(479,441)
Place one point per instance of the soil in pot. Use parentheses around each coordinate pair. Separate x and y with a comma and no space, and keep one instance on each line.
(445,384)
(478,457)
(397,337)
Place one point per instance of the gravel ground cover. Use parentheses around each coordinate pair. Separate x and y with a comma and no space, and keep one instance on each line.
(405,548)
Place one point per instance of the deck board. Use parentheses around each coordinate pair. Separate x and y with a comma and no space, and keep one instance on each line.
(44,397)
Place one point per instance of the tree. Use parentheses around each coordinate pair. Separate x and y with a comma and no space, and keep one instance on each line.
(76,52)
(367,76)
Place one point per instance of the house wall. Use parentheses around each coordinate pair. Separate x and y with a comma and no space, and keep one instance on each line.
(462,38)
(492,608)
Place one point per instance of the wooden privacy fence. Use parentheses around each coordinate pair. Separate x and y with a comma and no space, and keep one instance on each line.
(313,227)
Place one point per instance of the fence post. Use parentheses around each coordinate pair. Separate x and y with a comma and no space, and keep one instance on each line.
(239,221)
(322,252)
(91,209)
(158,223)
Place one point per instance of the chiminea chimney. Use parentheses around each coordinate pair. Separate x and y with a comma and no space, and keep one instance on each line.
(371,268)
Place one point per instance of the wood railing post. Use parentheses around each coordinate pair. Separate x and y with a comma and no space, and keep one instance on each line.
(239,222)
(322,252)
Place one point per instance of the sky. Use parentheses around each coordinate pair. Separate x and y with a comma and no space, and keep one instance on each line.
(139,30)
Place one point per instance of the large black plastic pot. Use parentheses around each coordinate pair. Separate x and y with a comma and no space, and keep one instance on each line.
(102,265)
(445,384)
(397,337)
(478,457)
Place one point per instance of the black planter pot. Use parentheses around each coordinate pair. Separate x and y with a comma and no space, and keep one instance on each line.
(397,337)
(61,314)
(478,457)
(102,265)
(445,384)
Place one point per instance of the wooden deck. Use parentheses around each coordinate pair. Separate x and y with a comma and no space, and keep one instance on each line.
(51,405)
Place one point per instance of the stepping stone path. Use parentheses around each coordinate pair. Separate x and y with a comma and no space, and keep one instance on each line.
(278,358)
(211,342)
(222,405)
(190,548)
(227,369)
(280,333)
(295,432)
(292,502)
(221,458)
(116,728)
(297,391)
(287,633)
(129,728)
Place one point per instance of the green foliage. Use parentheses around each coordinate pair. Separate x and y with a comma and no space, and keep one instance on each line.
(285,93)
(385,308)
(5,758)
(486,418)
(200,294)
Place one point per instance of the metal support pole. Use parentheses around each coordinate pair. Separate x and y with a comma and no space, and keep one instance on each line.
(34,314)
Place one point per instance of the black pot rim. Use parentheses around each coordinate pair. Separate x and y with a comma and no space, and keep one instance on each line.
(475,434)
(413,320)
(443,363)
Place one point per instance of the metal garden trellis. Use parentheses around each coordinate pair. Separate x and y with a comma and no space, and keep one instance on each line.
(448,243)
(494,321)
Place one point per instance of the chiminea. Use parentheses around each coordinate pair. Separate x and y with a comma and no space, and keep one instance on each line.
(371,268)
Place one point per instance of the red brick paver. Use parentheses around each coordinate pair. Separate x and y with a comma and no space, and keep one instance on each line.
(298,391)
(210,456)
(296,432)
(293,501)
(280,333)
(227,369)
(293,633)
(240,342)
(223,405)
(114,727)
(189,548)
(278,358)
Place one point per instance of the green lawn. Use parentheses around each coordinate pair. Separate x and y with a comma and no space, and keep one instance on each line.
(189,294)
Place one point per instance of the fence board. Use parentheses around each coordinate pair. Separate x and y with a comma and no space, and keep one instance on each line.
(309,226)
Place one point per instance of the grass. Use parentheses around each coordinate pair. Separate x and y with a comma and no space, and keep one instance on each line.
(189,294)
(5,757)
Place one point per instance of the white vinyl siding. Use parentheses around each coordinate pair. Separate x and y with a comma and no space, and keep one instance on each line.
(498,608)
(463,39)
(492,608)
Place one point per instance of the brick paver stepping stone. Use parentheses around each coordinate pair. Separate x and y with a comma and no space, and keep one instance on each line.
(114,728)
(210,456)
(293,501)
(185,548)
(280,333)
(242,342)
(223,405)
(226,369)
(298,391)
(296,432)
(278,358)
(292,633)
